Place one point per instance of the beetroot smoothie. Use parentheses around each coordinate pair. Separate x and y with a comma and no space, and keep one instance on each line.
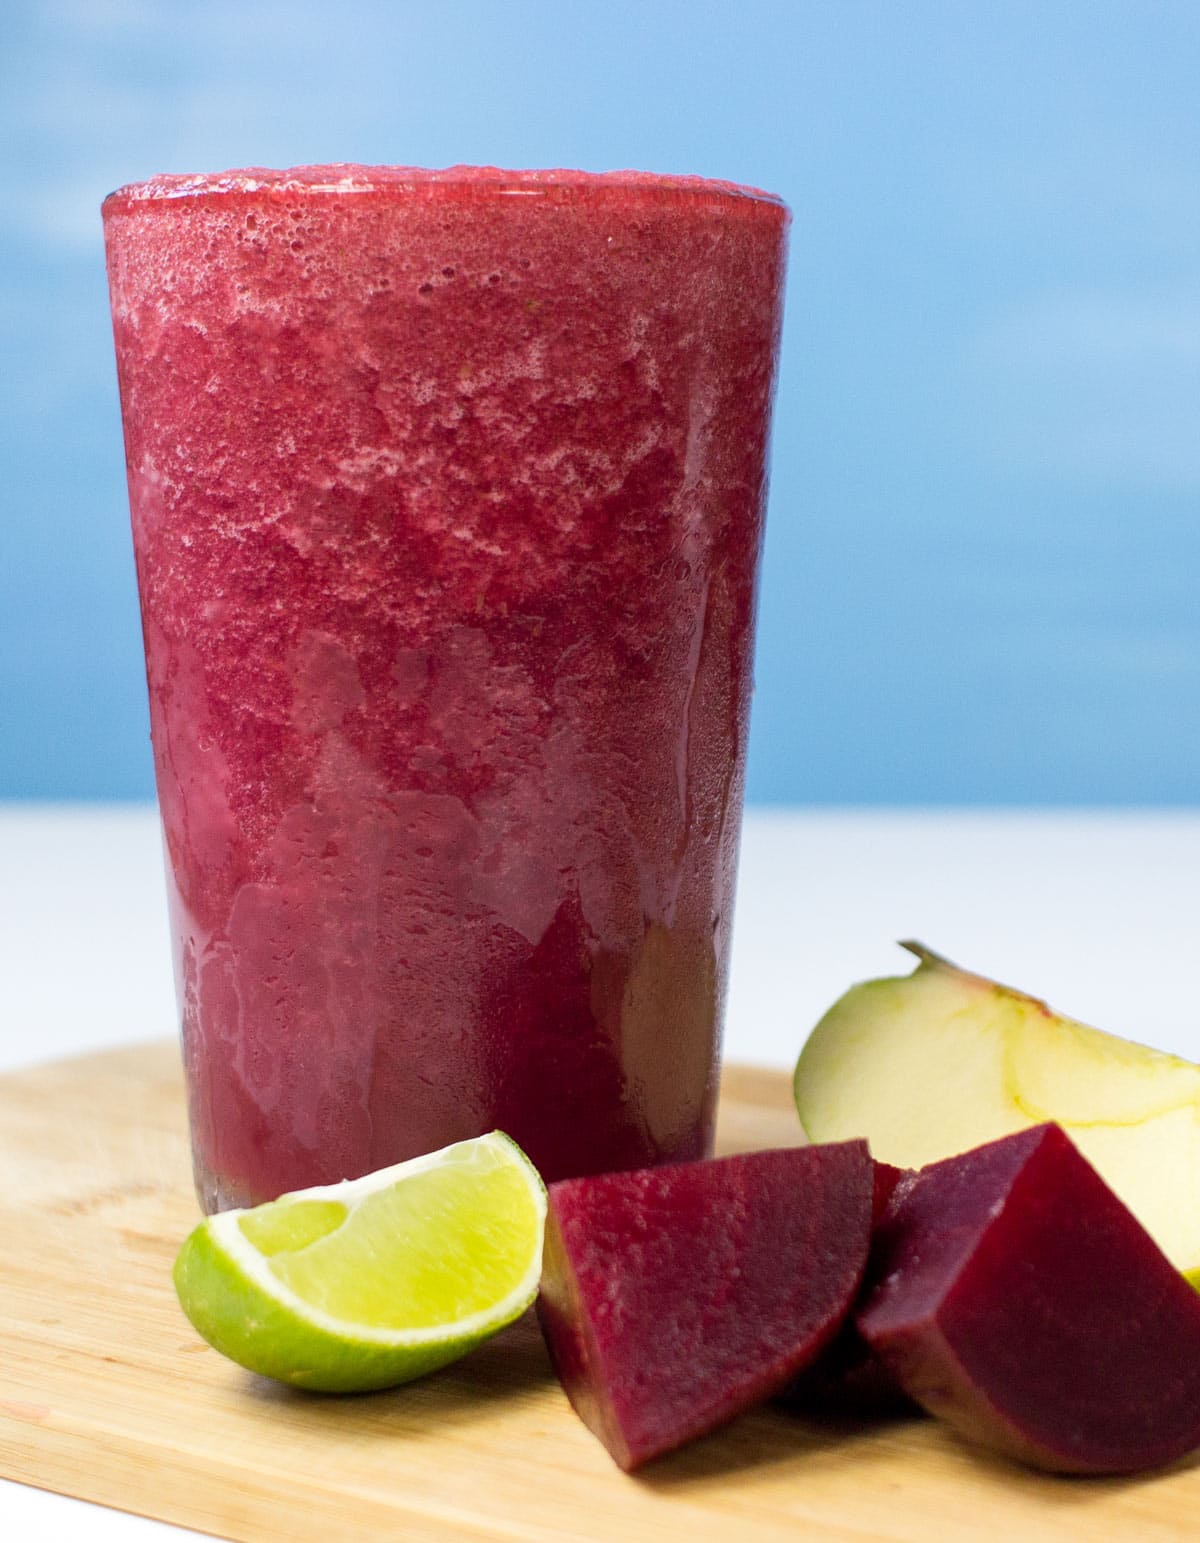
(447,494)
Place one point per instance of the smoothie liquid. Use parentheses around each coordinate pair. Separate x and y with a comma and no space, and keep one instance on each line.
(447,494)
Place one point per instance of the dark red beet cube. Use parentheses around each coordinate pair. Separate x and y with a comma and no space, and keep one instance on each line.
(1020,1300)
(673,1298)
(887,1180)
(848,1378)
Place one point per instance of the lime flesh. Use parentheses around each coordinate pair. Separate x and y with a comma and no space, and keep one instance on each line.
(372,1282)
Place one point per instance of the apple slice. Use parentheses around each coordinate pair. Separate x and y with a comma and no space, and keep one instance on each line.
(675,1297)
(939,1061)
(1019,1299)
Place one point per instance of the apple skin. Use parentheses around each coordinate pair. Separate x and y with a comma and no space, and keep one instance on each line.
(936,1062)
(673,1298)
(1017,1298)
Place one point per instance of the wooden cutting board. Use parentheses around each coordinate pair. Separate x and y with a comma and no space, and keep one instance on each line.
(107,1394)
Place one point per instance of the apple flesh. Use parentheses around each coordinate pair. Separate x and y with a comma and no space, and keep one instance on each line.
(673,1298)
(1020,1300)
(937,1062)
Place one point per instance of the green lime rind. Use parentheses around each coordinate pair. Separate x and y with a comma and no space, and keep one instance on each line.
(234,1301)
(241,1320)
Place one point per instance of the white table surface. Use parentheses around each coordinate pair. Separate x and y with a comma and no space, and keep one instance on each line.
(1098,912)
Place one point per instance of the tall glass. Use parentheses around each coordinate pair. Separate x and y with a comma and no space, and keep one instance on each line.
(447,494)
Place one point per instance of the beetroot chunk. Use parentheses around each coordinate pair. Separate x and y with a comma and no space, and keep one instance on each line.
(848,1378)
(1021,1301)
(675,1297)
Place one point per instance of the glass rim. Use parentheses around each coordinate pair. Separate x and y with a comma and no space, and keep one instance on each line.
(341,179)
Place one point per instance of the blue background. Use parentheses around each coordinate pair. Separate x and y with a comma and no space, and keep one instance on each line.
(983,567)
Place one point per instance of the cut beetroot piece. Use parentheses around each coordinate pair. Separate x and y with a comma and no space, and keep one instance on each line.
(673,1298)
(887,1181)
(1020,1300)
(848,1378)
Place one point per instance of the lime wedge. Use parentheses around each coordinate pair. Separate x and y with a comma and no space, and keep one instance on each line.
(374,1281)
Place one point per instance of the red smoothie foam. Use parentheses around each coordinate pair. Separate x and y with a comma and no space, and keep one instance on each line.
(447,495)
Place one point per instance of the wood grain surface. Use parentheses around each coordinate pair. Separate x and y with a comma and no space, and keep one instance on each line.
(107,1394)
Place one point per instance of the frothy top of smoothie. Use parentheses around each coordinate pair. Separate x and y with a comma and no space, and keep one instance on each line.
(452,181)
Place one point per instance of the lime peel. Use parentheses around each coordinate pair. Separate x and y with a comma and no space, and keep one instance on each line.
(235,1297)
